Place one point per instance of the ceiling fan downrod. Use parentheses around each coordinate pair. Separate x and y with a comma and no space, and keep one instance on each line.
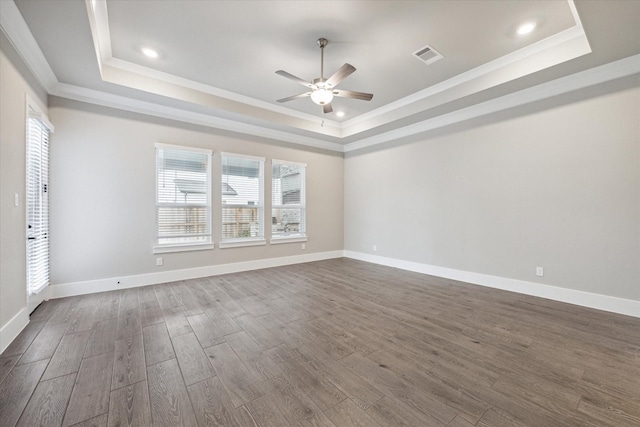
(322,42)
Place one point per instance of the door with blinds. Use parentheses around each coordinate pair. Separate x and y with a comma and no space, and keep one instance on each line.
(37,208)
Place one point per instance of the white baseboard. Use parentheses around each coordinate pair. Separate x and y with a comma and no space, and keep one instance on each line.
(113,283)
(12,328)
(586,299)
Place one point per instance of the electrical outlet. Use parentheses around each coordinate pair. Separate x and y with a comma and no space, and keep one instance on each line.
(539,271)
(159,261)
(375,248)
(304,246)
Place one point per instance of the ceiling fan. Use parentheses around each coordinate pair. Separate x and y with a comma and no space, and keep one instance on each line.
(323,90)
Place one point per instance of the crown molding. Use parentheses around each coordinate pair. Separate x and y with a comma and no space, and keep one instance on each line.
(573,37)
(604,73)
(150,73)
(17,31)
(15,28)
(557,48)
(105,99)
(175,88)
(109,67)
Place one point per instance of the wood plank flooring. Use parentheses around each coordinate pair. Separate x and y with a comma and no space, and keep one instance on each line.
(331,343)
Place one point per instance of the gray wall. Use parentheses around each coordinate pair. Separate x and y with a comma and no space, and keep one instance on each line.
(557,187)
(15,82)
(103,193)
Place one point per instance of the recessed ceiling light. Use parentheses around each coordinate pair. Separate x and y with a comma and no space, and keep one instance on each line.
(340,113)
(526,28)
(151,53)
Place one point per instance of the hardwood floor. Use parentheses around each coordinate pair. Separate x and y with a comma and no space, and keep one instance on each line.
(330,343)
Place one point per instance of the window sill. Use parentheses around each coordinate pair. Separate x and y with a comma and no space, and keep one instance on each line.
(238,243)
(182,248)
(276,240)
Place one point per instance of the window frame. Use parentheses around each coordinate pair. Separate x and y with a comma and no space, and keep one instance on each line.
(300,236)
(236,242)
(193,246)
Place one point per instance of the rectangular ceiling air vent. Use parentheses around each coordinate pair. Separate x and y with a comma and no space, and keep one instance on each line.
(428,55)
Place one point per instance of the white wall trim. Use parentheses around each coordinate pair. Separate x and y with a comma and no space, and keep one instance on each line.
(33,302)
(102,42)
(113,283)
(12,328)
(99,20)
(591,77)
(105,99)
(586,299)
(601,74)
(558,41)
(13,25)
(17,31)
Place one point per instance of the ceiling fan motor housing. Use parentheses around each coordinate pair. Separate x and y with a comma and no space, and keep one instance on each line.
(320,83)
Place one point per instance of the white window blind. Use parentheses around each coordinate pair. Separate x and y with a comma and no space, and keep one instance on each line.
(183,196)
(37,200)
(288,217)
(242,197)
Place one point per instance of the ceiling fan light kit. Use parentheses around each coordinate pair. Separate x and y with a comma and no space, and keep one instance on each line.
(322,90)
(322,96)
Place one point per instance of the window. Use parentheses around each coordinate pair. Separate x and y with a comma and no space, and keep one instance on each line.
(183,198)
(242,200)
(288,217)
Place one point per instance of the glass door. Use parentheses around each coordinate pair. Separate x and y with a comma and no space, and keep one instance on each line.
(37,209)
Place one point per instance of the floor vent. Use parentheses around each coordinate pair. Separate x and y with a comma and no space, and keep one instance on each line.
(428,55)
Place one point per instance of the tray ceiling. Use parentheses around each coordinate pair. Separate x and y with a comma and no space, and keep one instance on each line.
(217,59)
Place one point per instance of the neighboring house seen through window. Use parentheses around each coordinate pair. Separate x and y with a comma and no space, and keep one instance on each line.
(288,209)
(242,200)
(183,198)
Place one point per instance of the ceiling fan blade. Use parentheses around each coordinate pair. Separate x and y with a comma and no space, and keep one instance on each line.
(327,108)
(354,95)
(294,78)
(291,98)
(342,73)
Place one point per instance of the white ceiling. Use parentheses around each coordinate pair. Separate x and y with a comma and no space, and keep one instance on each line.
(218,58)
